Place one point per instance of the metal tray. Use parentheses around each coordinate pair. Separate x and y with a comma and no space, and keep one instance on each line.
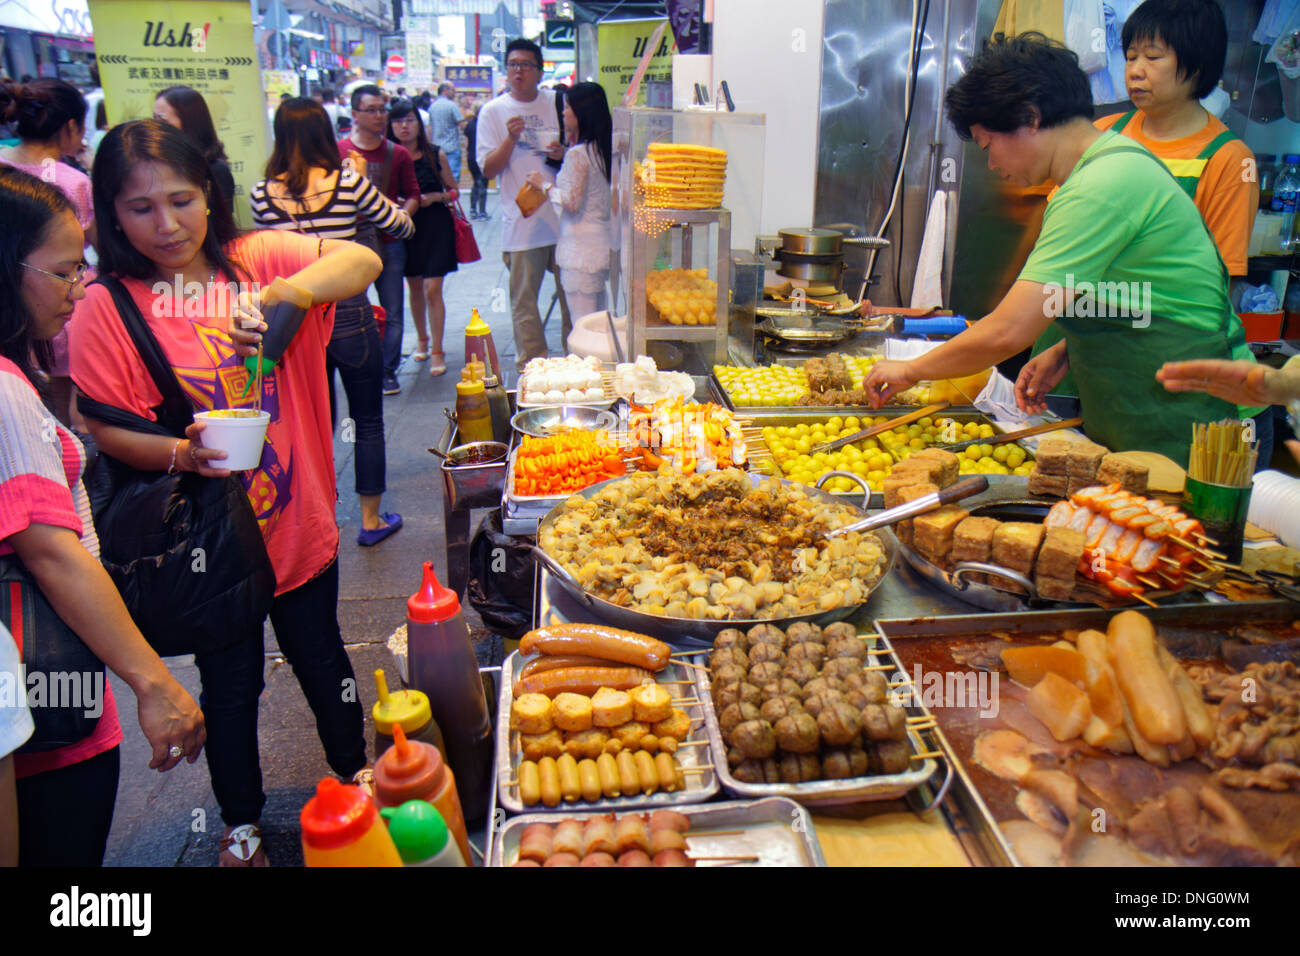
(469,486)
(699,787)
(778,831)
(828,792)
(825,411)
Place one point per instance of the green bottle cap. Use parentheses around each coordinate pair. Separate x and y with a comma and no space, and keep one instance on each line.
(417,829)
(250,363)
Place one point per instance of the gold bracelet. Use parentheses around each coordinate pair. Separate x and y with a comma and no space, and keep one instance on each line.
(171,465)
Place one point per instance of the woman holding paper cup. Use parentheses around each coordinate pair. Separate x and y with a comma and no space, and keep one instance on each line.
(202,288)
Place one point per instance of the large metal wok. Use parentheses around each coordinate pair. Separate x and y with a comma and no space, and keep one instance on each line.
(692,630)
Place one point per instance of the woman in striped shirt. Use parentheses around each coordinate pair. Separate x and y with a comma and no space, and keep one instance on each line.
(307,190)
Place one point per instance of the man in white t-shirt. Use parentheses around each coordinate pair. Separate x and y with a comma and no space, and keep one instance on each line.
(517,132)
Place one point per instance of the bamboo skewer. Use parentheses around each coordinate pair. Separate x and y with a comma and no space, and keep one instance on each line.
(685,700)
(1147,601)
(927,755)
(730,859)
(695,667)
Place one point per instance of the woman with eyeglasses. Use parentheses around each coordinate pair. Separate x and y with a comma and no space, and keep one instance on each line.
(50,119)
(307,190)
(431,252)
(65,796)
(163,235)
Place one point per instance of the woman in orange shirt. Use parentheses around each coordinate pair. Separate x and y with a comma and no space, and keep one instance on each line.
(1175,51)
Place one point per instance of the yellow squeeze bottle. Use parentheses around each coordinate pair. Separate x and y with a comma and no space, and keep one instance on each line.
(341,827)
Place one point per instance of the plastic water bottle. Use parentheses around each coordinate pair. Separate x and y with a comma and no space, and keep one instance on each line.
(1285,193)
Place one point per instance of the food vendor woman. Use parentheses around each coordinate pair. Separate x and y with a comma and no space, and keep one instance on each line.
(1123,265)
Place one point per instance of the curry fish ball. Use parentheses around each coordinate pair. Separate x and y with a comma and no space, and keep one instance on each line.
(731,637)
(817,703)
(801,672)
(728,655)
(840,629)
(797,734)
(841,647)
(766,653)
(764,673)
(766,634)
(728,674)
(838,723)
(739,693)
(778,707)
(808,651)
(819,685)
(841,667)
(734,715)
(800,632)
(755,738)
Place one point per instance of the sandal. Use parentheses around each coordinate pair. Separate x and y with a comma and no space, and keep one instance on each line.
(439,364)
(242,846)
(421,352)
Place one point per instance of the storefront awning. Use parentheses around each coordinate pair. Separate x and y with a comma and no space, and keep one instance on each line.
(68,18)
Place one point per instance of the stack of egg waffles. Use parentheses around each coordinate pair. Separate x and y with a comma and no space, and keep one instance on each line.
(682,176)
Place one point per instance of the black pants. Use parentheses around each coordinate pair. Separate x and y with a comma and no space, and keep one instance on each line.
(307,630)
(356,352)
(64,815)
(478,191)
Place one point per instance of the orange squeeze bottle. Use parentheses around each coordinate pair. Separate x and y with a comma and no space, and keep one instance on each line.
(412,770)
(341,827)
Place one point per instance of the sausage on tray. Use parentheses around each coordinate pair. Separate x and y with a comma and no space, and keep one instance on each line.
(598,640)
(581,680)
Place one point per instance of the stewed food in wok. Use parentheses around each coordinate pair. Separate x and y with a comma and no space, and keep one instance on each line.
(714,547)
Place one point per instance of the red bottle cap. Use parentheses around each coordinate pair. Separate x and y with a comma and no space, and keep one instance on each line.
(408,771)
(433,603)
(336,816)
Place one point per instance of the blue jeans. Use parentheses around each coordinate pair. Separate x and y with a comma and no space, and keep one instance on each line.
(391,288)
(453,160)
(307,630)
(355,351)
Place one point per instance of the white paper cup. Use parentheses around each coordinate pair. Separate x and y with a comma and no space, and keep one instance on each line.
(240,436)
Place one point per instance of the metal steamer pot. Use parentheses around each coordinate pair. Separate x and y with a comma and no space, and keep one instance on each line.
(817,255)
(691,632)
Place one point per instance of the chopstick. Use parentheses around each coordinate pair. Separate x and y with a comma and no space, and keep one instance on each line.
(882,427)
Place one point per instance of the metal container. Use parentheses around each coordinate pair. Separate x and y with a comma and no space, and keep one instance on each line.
(819,793)
(690,632)
(469,486)
(548,420)
(778,831)
(826,411)
(699,786)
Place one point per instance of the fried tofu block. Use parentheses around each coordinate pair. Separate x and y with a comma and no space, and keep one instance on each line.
(1060,553)
(1045,484)
(894,485)
(1078,483)
(904,529)
(1084,459)
(933,531)
(951,463)
(1052,455)
(1015,545)
(1053,589)
(928,469)
(972,540)
(1131,475)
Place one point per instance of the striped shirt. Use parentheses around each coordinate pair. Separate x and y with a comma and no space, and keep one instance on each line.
(354,197)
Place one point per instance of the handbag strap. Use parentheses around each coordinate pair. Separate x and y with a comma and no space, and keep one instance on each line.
(175,413)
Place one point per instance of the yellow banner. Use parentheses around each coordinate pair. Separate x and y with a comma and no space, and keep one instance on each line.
(143,47)
(278,82)
(620,45)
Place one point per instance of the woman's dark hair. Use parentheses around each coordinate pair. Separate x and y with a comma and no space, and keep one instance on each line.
(519,43)
(303,139)
(28,207)
(152,141)
(1194,29)
(1018,81)
(41,108)
(400,109)
(196,120)
(595,128)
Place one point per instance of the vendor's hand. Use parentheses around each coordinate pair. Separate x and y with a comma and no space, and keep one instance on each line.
(1041,374)
(515,127)
(555,149)
(246,323)
(170,717)
(1241,383)
(887,379)
(192,456)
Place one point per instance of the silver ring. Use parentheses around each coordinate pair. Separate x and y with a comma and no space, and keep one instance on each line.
(175,750)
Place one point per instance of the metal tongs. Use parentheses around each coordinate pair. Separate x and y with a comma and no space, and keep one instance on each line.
(965,488)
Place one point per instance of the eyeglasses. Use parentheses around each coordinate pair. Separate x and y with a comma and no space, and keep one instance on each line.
(373,109)
(78,274)
(521,65)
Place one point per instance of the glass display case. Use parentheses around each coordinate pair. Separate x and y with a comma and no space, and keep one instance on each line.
(682,180)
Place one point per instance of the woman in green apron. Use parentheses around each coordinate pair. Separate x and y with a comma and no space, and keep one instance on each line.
(1123,264)
(1175,52)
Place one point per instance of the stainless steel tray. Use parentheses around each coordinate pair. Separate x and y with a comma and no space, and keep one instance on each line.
(469,486)
(828,792)
(699,786)
(778,831)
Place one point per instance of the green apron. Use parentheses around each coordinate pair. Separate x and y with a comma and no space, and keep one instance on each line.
(1187,173)
(1124,407)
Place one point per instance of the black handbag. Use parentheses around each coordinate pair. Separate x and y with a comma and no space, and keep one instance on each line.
(185,551)
(64,675)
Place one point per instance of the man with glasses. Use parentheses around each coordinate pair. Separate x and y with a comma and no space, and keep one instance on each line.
(389,167)
(517,132)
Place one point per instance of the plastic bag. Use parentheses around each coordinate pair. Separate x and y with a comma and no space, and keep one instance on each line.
(501,579)
(1085,33)
(1285,51)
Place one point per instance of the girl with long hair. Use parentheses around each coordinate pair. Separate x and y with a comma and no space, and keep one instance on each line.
(166,239)
(185,108)
(307,190)
(431,252)
(581,197)
(65,796)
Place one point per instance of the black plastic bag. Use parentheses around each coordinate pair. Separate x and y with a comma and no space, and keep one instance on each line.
(501,578)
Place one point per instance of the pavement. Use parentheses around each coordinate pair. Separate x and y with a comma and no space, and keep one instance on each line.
(172,819)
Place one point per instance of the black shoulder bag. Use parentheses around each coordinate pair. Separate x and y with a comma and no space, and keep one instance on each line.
(185,551)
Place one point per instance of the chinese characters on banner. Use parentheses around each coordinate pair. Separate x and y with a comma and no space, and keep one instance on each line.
(621,44)
(145,46)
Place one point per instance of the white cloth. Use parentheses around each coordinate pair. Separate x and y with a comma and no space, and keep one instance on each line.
(581,197)
(540,128)
(15,719)
(927,287)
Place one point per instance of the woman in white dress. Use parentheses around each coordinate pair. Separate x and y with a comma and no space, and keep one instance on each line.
(581,197)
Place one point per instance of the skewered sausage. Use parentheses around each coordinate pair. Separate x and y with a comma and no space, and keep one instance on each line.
(589,780)
(570,782)
(549,779)
(607,768)
(581,680)
(530,785)
(597,640)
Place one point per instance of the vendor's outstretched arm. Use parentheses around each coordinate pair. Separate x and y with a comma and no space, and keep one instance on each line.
(1022,315)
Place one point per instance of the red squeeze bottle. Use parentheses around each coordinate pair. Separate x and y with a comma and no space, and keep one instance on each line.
(414,770)
(442,665)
